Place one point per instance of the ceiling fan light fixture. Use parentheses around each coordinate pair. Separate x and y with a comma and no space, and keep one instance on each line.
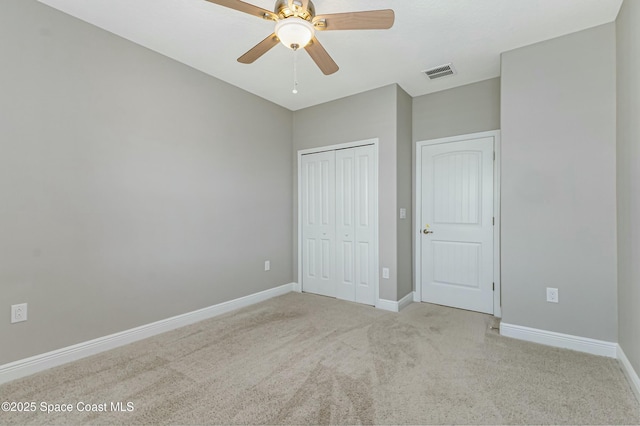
(294,32)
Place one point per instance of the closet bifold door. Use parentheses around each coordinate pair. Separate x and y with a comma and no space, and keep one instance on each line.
(345,226)
(355,197)
(318,223)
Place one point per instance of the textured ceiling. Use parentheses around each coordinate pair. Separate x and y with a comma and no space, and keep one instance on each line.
(469,33)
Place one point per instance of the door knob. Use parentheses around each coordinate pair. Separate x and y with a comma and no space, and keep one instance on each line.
(427,231)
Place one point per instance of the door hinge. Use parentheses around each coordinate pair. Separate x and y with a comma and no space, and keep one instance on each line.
(494,156)
(494,286)
(494,221)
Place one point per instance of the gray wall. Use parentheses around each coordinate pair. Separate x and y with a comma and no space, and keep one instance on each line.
(466,109)
(405,193)
(558,184)
(125,192)
(368,115)
(628,72)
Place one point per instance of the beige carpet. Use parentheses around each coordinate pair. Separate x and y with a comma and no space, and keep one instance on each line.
(307,359)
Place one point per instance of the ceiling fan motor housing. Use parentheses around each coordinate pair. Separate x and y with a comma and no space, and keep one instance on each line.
(283,11)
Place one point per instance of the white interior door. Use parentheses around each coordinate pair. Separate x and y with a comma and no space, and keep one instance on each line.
(338,217)
(355,231)
(345,221)
(318,223)
(456,235)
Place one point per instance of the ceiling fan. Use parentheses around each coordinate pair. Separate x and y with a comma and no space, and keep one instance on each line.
(296,24)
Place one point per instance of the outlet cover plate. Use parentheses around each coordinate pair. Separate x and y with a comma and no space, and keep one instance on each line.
(18,313)
(385,273)
(552,295)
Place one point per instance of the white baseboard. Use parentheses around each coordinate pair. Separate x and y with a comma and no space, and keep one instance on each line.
(387,305)
(297,287)
(34,364)
(416,297)
(405,301)
(392,306)
(560,340)
(634,380)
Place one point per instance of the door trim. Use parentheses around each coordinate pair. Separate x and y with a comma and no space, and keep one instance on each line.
(336,147)
(497,308)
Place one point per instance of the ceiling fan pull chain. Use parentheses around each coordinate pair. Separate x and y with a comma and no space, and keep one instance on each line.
(295,72)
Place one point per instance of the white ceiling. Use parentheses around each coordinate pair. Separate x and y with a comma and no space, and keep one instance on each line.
(469,33)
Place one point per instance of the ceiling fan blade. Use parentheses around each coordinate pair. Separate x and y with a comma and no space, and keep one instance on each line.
(259,49)
(321,57)
(369,20)
(246,8)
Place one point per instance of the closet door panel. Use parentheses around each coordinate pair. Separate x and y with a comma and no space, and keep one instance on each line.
(345,229)
(364,209)
(318,223)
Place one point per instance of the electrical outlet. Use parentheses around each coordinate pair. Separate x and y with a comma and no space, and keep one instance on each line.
(403,213)
(18,313)
(385,273)
(552,295)
(267,265)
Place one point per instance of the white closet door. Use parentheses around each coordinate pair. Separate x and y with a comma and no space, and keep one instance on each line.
(355,198)
(364,217)
(345,225)
(318,223)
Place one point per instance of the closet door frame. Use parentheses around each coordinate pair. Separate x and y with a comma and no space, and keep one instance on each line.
(355,144)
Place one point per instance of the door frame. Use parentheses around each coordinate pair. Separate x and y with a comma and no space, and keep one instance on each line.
(375,142)
(497,300)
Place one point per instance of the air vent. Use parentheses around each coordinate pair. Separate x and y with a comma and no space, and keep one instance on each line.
(440,71)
